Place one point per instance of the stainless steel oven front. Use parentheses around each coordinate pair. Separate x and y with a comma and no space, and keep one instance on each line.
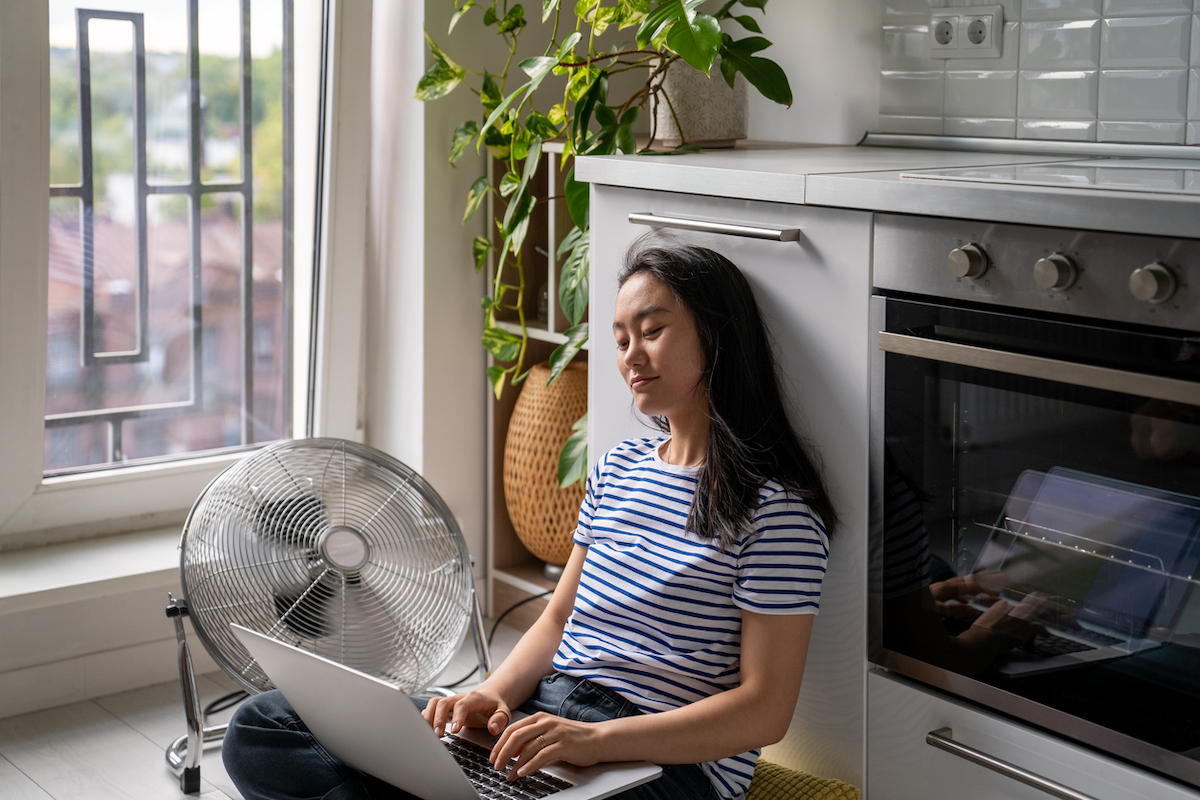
(1035,435)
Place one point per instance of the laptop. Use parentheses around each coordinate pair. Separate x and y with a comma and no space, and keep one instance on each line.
(1112,562)
(375,727)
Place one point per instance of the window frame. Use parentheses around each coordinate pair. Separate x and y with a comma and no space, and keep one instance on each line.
(38,510)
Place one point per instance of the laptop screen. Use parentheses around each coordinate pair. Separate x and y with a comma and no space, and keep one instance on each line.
(1108,553)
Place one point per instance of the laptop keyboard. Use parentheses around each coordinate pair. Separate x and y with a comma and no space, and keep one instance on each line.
(491,783)
(1047,645)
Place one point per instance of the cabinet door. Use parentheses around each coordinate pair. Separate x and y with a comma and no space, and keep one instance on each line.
(902,766)
(814,294)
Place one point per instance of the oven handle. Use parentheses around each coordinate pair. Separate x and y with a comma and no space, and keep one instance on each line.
(941,739)
(1154,387)
(726,228)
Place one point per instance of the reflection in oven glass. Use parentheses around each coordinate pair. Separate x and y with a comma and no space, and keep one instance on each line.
(1045,539)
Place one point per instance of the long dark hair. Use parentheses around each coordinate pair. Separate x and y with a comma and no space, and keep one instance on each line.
(750,439)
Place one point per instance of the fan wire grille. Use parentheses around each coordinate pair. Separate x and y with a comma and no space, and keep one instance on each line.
(336,548)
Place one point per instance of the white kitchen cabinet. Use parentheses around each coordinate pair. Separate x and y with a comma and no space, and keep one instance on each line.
(902,766)
(814,295)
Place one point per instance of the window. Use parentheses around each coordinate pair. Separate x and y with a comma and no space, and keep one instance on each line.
(170,166)
(171,212)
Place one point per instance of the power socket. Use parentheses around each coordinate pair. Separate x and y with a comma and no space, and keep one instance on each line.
(971,32)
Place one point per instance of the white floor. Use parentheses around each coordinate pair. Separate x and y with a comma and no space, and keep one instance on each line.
(113,747)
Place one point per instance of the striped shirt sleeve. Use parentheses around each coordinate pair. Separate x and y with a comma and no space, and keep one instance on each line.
(587,509)
(782,560)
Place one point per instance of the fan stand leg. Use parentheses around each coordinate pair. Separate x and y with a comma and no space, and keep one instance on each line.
(189,764)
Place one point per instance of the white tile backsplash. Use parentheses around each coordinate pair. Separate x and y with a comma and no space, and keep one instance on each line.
(981,94)
(1143,94)
(976,126)
(1075,70)
(1062,130)
(1145,42)
(1128,8)
(1057,94)
(1143,132)
(1060,9)
(1060,44)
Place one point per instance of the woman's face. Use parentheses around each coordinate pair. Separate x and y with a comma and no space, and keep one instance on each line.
(658,350)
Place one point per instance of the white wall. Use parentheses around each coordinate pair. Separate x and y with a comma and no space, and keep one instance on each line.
(830,52)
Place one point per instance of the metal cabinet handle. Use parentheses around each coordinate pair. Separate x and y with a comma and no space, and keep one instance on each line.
(727,228)
(941,739)
(1051,369)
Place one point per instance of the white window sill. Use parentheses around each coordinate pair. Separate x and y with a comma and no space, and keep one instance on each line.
(38,577)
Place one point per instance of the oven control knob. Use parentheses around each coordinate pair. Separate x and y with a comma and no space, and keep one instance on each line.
(1055,271)
(1153,283)
(968,261)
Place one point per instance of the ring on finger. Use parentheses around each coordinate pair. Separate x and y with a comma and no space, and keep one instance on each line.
(541,740)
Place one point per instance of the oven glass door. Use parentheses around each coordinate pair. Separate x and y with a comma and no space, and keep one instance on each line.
(1036,522)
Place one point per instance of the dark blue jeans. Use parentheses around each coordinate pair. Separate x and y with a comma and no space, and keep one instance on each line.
(271,755)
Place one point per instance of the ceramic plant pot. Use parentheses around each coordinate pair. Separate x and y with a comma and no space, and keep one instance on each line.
(706,111)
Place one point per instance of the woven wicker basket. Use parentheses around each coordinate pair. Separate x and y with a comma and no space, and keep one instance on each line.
(543,515)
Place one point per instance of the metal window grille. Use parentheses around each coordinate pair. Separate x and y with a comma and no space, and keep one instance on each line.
(193,188)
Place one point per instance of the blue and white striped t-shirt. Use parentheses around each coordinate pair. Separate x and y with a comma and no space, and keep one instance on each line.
(658,614)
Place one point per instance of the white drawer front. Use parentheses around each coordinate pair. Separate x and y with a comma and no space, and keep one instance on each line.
(902,766)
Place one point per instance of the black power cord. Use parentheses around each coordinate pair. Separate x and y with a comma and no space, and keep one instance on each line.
(492,633)
(222,703)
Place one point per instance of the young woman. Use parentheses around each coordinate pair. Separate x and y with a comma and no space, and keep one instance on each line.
(679,629)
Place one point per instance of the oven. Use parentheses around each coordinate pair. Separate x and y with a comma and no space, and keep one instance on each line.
(1035,454)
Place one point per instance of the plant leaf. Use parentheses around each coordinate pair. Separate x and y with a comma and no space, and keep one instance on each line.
(537,68)
(573,280)
(495,376)
(761,5)
(502,344)
(478,191)
(441,78)
(578,199)
(568,45)
(489,93)
(514,20)
(749,23)
(509,184)
(489,16)
(568,243)
(572,461)
(565,352)
(516,221)
(696,41)
(458,15)
(480,248)
(500,109)
(540,125)
(663,16)
(762,73)
(463,135)
(548,7)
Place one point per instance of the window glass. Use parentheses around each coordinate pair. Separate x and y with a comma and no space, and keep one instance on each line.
(170,328)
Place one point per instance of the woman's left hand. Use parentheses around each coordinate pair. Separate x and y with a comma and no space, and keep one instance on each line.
(542,738)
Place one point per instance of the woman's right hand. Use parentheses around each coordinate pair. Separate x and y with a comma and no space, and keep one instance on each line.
(477,708)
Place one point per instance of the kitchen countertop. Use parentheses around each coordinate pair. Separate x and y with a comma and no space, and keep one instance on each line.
(870,178)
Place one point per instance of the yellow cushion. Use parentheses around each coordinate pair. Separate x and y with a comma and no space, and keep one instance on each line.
(773,782)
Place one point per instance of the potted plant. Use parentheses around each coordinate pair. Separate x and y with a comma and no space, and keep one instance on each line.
(671,35)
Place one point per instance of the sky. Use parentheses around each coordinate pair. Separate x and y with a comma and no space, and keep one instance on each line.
(166,25)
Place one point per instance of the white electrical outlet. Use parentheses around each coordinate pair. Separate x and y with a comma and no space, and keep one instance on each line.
(943,34)
(971,32)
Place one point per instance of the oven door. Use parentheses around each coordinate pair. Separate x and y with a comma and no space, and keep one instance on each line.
(1035,536)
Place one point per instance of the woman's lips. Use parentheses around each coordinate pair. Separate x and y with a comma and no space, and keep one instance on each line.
(639,382)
